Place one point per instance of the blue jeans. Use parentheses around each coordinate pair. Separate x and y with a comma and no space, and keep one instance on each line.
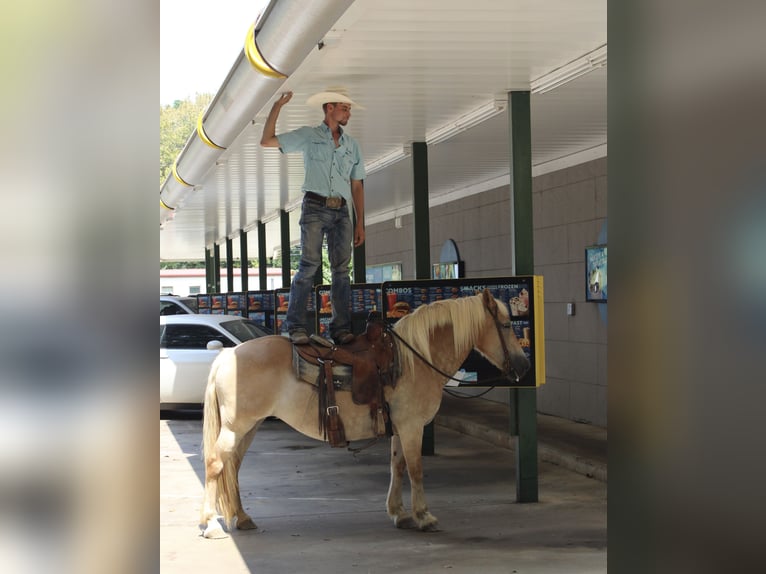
(316,222)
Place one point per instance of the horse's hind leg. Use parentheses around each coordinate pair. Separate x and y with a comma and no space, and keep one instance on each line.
(221,488)
(412,442)
(394,506)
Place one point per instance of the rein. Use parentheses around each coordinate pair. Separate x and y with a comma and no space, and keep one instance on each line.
(507,367)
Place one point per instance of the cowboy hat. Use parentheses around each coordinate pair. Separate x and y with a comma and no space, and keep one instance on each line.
(330,98)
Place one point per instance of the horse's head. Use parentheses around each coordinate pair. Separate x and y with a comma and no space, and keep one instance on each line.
(498,342)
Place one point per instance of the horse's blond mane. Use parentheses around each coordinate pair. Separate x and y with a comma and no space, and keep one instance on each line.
(465,314)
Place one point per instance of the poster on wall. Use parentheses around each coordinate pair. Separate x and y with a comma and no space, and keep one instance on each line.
(595,273)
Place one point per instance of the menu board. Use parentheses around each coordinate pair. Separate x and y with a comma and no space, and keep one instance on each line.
(236,304)
(260,307)
(523,295)
(203,304)
(281,302)
(323,311)
(217,303)
(365,297)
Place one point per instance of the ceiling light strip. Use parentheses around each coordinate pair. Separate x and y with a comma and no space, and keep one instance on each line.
(388,159)
(571,71)
(467,121)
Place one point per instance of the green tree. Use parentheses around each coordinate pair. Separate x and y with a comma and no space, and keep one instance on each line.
(177,122)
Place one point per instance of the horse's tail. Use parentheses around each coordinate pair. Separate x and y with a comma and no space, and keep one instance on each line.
(227,486)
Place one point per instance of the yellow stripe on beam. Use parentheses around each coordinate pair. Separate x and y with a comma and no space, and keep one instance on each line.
(178,177)
(255,57)
(203,136)
(166,206)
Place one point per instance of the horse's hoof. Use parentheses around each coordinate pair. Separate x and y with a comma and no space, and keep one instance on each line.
(405,522)
(214,531)
(428,523)
(430,527)
(247,524)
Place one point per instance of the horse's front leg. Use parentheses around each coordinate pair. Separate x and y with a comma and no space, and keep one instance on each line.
(394,506)
(412,443)
(244,522)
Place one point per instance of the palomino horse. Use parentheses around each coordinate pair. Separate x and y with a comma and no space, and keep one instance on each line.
(256,380)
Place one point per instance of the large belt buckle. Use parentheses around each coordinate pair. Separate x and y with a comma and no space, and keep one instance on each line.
(334,202)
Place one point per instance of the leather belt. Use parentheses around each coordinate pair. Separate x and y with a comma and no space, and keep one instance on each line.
(332,202)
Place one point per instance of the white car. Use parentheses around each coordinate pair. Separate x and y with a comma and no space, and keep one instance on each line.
(188,345)
(176,305)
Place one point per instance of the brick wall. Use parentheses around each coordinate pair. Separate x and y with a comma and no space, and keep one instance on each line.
(569,211)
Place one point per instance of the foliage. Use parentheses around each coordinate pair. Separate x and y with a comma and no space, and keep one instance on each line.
(182,264)
(201,264)
(177,122)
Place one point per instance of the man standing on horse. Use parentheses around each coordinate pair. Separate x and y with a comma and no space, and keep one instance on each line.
(334,178)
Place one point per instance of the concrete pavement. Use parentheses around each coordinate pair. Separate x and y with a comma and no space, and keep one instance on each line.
(320,509)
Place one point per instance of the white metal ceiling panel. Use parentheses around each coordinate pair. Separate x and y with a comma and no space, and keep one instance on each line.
(415,66)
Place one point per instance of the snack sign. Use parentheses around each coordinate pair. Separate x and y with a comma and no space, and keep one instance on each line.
(523,295)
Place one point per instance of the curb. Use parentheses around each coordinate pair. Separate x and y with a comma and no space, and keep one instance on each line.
(546,451)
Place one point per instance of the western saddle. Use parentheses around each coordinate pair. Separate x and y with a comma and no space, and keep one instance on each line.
(364,366)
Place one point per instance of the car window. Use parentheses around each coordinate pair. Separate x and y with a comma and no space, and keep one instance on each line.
(245,330)
(191,337)
(171,308)
(191,303)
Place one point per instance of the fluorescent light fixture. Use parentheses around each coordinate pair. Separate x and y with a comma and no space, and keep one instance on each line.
(571,71)
(294,204)
(469,120)
(388,159)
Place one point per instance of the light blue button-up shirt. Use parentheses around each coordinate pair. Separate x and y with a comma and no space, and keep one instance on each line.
(329,169)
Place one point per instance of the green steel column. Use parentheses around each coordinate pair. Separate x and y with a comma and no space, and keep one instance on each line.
(284,228)
(229,265)
(360,261)
(209,271)
(244,264)
(263,269)
(216,268)
(523,415)
(422,235)
(420,210)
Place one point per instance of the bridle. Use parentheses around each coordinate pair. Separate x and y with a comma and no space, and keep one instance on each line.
(507,365)
(508,372)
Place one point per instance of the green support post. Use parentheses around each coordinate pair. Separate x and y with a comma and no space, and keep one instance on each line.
(523,409)
(216,268)
(421,219)
(244,264)
(229,265)
(360,261)
(422,235)
(208,271)
(263,269)
(284,228)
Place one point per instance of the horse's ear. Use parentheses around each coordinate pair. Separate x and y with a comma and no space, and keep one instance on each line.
(489,301)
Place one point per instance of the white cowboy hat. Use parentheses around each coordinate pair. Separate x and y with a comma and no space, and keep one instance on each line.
(330,98)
